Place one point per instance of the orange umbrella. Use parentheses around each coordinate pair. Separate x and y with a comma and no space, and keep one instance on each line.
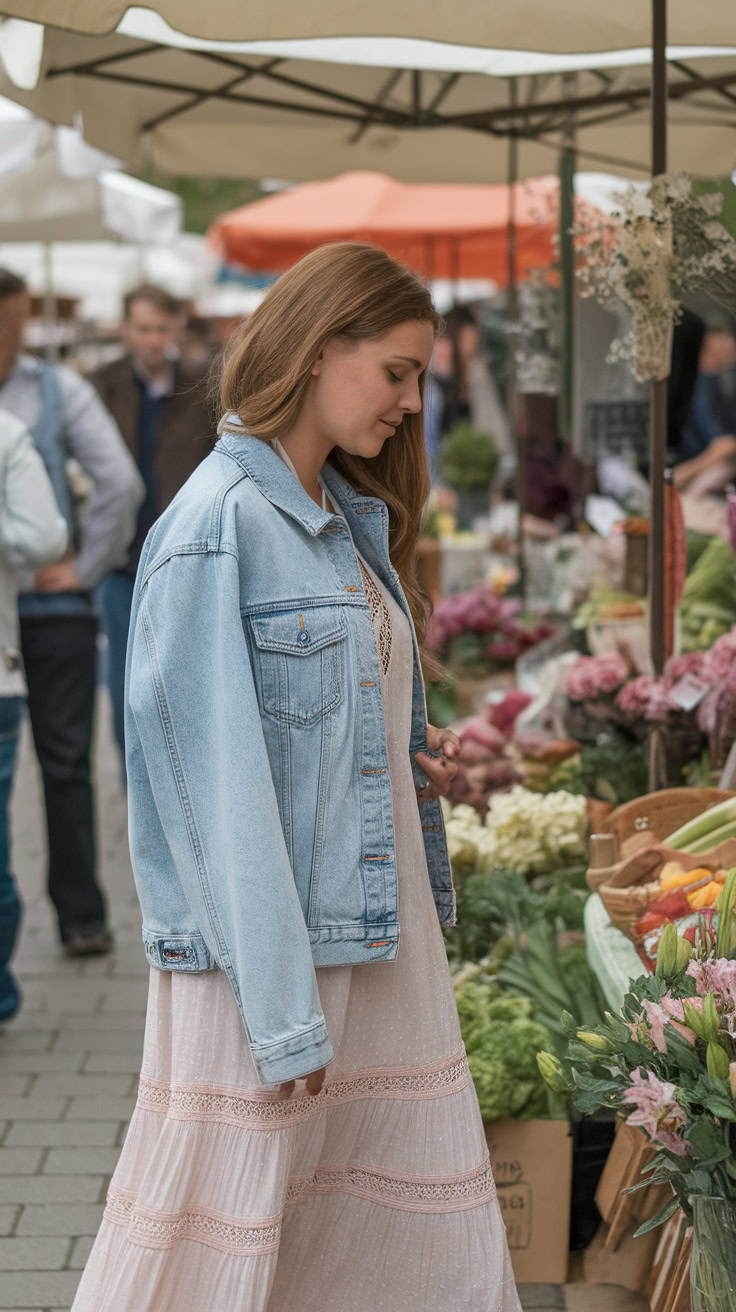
(442,231)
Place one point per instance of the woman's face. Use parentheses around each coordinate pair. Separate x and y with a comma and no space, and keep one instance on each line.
(359,394)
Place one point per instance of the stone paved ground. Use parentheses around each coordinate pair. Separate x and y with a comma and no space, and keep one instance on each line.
(68,1073)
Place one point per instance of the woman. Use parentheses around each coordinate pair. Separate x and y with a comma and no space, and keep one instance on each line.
(32,534)
(306,1135)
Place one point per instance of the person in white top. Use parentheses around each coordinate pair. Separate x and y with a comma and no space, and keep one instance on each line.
(33,533)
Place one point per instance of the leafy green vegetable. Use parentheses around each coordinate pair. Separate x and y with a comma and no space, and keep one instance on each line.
(554,980)
(502,1042)
(613,769)
(708,605)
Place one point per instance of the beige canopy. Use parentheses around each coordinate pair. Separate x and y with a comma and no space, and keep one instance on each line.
(551,25)
(418,111)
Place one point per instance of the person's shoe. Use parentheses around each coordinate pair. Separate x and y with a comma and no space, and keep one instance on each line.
(89,945)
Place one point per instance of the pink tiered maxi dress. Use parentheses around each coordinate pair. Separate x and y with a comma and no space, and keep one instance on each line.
(374,1196)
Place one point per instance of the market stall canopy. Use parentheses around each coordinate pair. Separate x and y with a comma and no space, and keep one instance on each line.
(97,274)
(441,231)
(566,25)
(57,188)
(415,109)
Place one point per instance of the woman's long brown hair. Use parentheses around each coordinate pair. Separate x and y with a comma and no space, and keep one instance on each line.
(352,292)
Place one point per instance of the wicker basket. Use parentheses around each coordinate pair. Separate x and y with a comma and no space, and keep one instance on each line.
(632,886)
(652,818)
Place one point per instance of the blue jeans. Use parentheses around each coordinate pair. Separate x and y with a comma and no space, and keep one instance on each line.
(11,718)
(115,596)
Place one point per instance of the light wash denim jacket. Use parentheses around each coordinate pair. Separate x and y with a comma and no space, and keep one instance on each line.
(261,827)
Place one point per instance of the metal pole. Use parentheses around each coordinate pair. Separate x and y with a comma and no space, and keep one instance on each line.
(658,393)
(567,270)
(50,305)
(516,432)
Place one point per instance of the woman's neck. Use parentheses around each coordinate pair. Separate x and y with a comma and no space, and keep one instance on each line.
(307,454)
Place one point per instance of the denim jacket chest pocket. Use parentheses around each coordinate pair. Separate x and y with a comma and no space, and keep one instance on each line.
(300,658)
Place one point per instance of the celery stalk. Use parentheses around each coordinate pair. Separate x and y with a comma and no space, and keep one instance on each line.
(711,839)
(715,818)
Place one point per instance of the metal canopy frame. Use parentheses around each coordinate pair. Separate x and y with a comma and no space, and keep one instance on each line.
(532,117)
(528,115)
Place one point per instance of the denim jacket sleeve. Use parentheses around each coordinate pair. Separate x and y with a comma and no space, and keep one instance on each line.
(194,714)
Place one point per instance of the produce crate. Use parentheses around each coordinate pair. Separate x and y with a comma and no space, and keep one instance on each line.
(532,1167)
(615,1257)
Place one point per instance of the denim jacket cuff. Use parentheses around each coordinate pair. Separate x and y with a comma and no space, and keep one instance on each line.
(293,1057)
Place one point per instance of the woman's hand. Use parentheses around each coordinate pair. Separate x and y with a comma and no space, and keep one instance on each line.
(315,1080)
(440,770)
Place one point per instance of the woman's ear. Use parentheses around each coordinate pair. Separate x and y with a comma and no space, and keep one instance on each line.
(317,366)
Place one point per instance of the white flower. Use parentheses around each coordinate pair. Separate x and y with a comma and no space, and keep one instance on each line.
(679,186)
(711,202)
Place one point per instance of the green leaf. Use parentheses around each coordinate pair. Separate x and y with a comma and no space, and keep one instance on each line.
(663,1215)
(708,1141)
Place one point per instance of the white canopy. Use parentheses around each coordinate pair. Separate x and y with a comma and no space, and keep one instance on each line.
(55,187)
(558,26)
(415,109)
(99,273)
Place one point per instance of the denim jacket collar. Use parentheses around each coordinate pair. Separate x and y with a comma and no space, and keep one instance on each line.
(277,483)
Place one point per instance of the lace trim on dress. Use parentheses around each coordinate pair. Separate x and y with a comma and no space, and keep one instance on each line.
(202,1224)
(378,610)
(271,1110)
(408,1193)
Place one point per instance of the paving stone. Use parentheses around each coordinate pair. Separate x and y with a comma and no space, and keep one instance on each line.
(101,1041)
(67,994)
(60,1219)
(61,1134)
(51,1188)
(98,1108)
(81,1161)
(34,1254)
(15,1085)
(80,1252)
(20,1161)
(108,1024)
(38,1063)
(22,1040)
(38,1289)
(603,1298)
(112,1062)
(126,999)
(541,1298)
(76,1086)
(32,1108)
(8,1217)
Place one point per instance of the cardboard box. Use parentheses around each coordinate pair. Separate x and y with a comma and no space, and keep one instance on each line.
(532,1167)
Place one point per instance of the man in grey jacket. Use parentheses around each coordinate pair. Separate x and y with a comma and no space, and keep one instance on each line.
(33,533)
(58,621)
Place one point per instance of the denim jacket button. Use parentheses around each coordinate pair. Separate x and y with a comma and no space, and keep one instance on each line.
(303,637)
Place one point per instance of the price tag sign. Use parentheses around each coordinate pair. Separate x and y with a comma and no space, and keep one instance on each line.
(688,692)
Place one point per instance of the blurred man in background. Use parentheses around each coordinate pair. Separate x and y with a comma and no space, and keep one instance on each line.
(58,622)
(33,532)
(160,404)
